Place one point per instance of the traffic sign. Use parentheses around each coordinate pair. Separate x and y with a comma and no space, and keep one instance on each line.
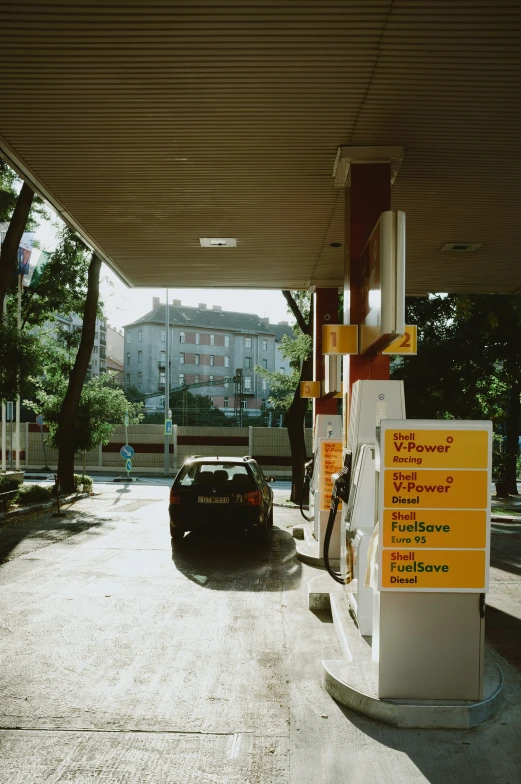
(39,420)
(168,427)
(126,452)
(128,466)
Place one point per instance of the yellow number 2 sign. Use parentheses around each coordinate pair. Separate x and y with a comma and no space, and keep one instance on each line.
(406,343)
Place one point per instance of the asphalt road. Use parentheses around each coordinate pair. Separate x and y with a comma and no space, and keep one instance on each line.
(125,661)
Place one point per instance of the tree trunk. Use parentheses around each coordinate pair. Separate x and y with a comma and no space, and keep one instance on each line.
(512,439)
(9,252)
(294,421)
(66,439)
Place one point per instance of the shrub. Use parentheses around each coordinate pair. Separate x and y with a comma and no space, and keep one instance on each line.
(82,483)
(34,494)
(11,488)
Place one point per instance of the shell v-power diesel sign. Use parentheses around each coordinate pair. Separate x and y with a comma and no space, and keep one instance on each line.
(434,505)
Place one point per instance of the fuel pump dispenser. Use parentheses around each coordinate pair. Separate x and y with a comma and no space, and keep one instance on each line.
(327,458)
(371,401)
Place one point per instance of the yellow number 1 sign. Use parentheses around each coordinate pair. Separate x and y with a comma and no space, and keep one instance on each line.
(406,343)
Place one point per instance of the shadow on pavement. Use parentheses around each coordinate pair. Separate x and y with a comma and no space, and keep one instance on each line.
(503,632)
(506,553)
(239,564)
(31,533)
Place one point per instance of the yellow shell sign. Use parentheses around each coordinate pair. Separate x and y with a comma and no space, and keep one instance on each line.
(434,505)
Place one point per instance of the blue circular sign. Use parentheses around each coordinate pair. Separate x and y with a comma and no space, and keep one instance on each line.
(39,420)
(126,452)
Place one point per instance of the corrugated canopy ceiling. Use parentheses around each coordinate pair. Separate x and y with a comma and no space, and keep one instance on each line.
(152,125)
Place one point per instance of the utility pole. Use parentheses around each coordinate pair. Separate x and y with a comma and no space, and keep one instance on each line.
(167,389)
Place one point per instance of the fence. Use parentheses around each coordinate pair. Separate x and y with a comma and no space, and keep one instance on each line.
(269,446)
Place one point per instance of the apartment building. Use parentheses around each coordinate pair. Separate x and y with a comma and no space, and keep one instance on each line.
(206,344)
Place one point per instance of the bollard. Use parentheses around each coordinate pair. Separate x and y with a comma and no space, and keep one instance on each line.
(58,513)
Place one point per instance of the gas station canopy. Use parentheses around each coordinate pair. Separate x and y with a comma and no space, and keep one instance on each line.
(151,127)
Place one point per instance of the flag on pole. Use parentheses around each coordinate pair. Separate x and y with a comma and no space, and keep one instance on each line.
(32,279)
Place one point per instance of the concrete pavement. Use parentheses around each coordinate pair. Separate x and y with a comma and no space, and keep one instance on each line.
(125,661)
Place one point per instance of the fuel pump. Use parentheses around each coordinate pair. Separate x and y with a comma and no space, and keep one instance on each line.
(371,401)
(340,492)
(308,476)
(327,459)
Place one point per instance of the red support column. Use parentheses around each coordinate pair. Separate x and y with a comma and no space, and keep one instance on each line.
(368,196)
(326,312)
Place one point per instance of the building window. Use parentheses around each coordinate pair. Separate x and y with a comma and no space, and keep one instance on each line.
(264,385)
(95,363)
(226,385)
(128,378)
(182,358)
(197,338)
(181,337)
(283,370)
(212,378)
(264,345)
(244,403)
(181,378)
(212,340)
(163,336)
(227,341)
(129,337)
(162,378)
(247,363)
(225,402)
(163,357)
(94,349)
(140,377)
(247,382)
(196,379)
(247,342)
(265,364)
(128,357)
(140,356)
(139,335)
(197,359)
(212,360)
(95,336)
(227,362)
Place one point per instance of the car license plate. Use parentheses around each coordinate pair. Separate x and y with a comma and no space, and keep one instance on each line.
(212,499)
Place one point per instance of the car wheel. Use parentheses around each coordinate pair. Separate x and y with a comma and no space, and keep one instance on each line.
(176,532)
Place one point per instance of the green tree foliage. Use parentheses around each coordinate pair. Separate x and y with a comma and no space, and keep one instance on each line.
(195,410)
(102,408)
(9,188)
(468,367)
(283,385)
(20,359)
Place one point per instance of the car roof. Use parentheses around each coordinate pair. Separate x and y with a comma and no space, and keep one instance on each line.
(219,459)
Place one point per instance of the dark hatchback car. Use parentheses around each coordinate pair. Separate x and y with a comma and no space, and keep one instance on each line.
(221,494)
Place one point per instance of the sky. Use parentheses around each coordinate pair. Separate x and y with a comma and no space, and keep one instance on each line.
(124,305)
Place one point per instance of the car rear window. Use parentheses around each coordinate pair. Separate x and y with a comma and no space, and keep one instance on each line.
(215,473)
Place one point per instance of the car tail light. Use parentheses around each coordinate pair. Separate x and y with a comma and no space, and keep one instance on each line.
(253,498)
(175,496)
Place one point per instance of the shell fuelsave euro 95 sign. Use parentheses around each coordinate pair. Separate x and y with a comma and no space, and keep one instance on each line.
(434,505)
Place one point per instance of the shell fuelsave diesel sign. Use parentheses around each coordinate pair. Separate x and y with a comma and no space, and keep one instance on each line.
(434,505)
